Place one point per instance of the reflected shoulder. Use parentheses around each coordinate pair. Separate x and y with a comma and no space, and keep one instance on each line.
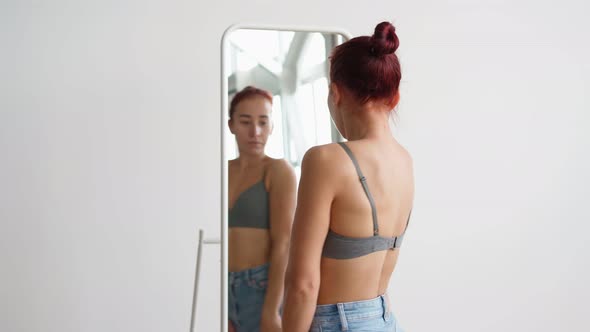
(280,165)
(280,168)
(231,164)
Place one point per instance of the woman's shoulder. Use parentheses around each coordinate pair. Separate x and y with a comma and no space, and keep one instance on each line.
(323,150)
(324,158)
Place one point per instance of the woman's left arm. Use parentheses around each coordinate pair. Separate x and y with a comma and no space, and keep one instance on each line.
(311,225)
(283,194)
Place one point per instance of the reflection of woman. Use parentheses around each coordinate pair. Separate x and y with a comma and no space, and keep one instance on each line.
(354,199)
(262,202)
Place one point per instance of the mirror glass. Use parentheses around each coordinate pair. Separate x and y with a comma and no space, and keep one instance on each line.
(293,67)
(286,74)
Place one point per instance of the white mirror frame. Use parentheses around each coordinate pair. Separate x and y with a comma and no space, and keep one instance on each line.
(224,110)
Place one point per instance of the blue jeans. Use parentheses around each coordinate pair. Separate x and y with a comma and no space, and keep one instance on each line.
(368,315)
(246,292)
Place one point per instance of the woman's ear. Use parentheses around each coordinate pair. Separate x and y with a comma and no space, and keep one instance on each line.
(335,93)
(395,100)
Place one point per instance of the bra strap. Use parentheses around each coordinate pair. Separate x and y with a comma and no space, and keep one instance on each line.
(365,186)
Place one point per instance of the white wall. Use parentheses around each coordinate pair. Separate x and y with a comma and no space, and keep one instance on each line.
(110,160)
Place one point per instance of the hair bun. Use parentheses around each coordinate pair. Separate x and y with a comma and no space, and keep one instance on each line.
(384,40)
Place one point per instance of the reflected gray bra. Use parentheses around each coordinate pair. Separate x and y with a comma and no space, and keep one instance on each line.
(251,208)
(342,247)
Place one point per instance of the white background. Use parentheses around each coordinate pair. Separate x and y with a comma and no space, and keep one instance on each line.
(110,160)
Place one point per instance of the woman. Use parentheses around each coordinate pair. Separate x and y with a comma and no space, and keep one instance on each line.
(262,194)
(354,199)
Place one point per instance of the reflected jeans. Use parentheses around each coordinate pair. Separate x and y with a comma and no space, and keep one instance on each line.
(246,291)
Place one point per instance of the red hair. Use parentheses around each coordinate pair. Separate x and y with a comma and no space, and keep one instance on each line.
(248,92)
(367,66)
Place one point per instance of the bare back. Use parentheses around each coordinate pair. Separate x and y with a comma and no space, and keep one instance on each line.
(388,169)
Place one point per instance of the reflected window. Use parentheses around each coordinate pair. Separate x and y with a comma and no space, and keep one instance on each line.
(293,67)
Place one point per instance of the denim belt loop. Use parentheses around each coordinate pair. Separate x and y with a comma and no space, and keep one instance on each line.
(342,316)
(386,307)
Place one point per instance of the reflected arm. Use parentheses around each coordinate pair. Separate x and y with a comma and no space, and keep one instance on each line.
(282,209)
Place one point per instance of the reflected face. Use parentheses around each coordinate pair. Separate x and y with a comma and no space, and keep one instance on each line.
(251,124)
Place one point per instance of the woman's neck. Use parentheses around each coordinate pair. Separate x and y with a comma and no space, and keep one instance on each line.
(367,124)
(246,161)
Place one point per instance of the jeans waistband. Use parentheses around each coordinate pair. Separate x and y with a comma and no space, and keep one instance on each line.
(380,300)
(249,273)
(348,312)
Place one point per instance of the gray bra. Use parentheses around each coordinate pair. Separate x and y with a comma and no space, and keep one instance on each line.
(342,247)
(251,208)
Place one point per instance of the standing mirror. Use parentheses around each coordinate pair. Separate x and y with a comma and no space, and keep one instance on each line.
(274,108)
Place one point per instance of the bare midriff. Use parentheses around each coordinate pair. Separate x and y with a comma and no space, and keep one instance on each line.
(247,248)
